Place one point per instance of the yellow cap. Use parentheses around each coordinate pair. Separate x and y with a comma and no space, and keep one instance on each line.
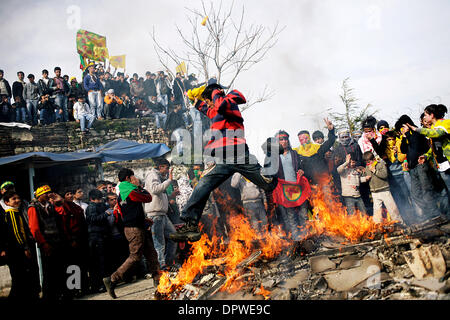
(42,190)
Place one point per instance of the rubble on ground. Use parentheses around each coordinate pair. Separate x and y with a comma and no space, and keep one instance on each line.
(412,263)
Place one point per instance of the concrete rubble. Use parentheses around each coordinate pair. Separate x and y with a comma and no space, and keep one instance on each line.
(399,265)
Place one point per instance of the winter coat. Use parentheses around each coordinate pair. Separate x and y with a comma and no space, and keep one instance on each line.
(97,219)
(92,83)
(157,189)
(379,180)
(46,88)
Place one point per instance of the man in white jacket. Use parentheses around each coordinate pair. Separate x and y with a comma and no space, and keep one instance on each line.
(156,210)
(82,112)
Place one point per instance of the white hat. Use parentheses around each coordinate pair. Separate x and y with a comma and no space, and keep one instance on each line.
(110,91)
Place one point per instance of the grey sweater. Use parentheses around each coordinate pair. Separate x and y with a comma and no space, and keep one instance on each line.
(160,202)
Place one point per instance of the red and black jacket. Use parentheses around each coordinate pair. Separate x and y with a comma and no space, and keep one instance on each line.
(227,124)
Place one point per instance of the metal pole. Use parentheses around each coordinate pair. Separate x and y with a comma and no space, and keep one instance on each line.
(38,252)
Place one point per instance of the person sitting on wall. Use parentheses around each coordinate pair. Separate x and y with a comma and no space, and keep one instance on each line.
(112,105)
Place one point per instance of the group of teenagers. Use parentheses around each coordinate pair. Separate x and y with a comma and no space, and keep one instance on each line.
(398,173)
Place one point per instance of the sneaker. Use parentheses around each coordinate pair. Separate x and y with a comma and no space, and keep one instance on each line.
(188,232)
(109,285)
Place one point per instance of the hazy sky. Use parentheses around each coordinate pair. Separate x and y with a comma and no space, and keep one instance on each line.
(396,52)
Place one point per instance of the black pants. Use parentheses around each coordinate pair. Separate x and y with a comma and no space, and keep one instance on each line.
(54,268)
(24,274)
(98,249)
(215,176)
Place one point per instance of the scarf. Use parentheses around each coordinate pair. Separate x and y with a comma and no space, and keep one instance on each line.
(365,144)
(125,189)
(308,150)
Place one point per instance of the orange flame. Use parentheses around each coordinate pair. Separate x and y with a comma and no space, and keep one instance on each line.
(331,219)
(265,293)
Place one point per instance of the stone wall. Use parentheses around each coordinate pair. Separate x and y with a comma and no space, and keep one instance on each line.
(66,137)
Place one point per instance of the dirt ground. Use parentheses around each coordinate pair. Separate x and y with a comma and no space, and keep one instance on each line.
(142,289)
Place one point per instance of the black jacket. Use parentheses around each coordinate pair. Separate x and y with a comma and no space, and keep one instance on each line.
(97,219)
(414,145)
(132,210)
(174,121)
(316,165)
(150,88)
(17,89)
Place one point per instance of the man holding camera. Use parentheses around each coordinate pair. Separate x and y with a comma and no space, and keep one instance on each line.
(112,105)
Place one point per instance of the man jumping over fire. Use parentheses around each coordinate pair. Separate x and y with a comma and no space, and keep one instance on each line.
(230,151)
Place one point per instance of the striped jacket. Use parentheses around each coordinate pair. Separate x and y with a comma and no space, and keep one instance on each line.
(227,124)
(16,233)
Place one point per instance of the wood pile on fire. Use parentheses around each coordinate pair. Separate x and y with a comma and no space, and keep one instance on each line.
(375,262)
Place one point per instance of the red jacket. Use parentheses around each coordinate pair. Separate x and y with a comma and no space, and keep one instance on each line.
(225,117)
(74,222)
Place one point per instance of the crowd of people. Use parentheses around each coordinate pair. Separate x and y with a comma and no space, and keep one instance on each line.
(135,226)
(99,95)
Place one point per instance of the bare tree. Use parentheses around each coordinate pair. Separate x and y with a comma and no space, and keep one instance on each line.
(222,47)
(354,115)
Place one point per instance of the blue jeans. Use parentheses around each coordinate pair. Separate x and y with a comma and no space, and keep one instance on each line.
(293,218)
(423,192)
(47,116)
(87,117)
(61,101)
(166,249)
(32,111)
(96,102)
(21,115)
(351,203)
(197,120)
(215,176)
(158,117)
(257,215)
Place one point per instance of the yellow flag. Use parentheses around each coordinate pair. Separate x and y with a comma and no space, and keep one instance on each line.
(204,21)
(117,61)
(181,68)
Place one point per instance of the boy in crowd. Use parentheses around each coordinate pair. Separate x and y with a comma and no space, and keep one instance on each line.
(350,182)
(156,182)
(46,225)
(98,230)
(31,96)
(7,113)
(112,105)
(377,175)
(82,112)
(232,156)
(5,88)
(118,252)
(47,109)
(18,247)
(131,208)
(75,227)
(21,109)
(78,199)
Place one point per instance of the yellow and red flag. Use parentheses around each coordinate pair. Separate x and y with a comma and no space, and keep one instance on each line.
(117,61)
(91,45)
(292,194)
